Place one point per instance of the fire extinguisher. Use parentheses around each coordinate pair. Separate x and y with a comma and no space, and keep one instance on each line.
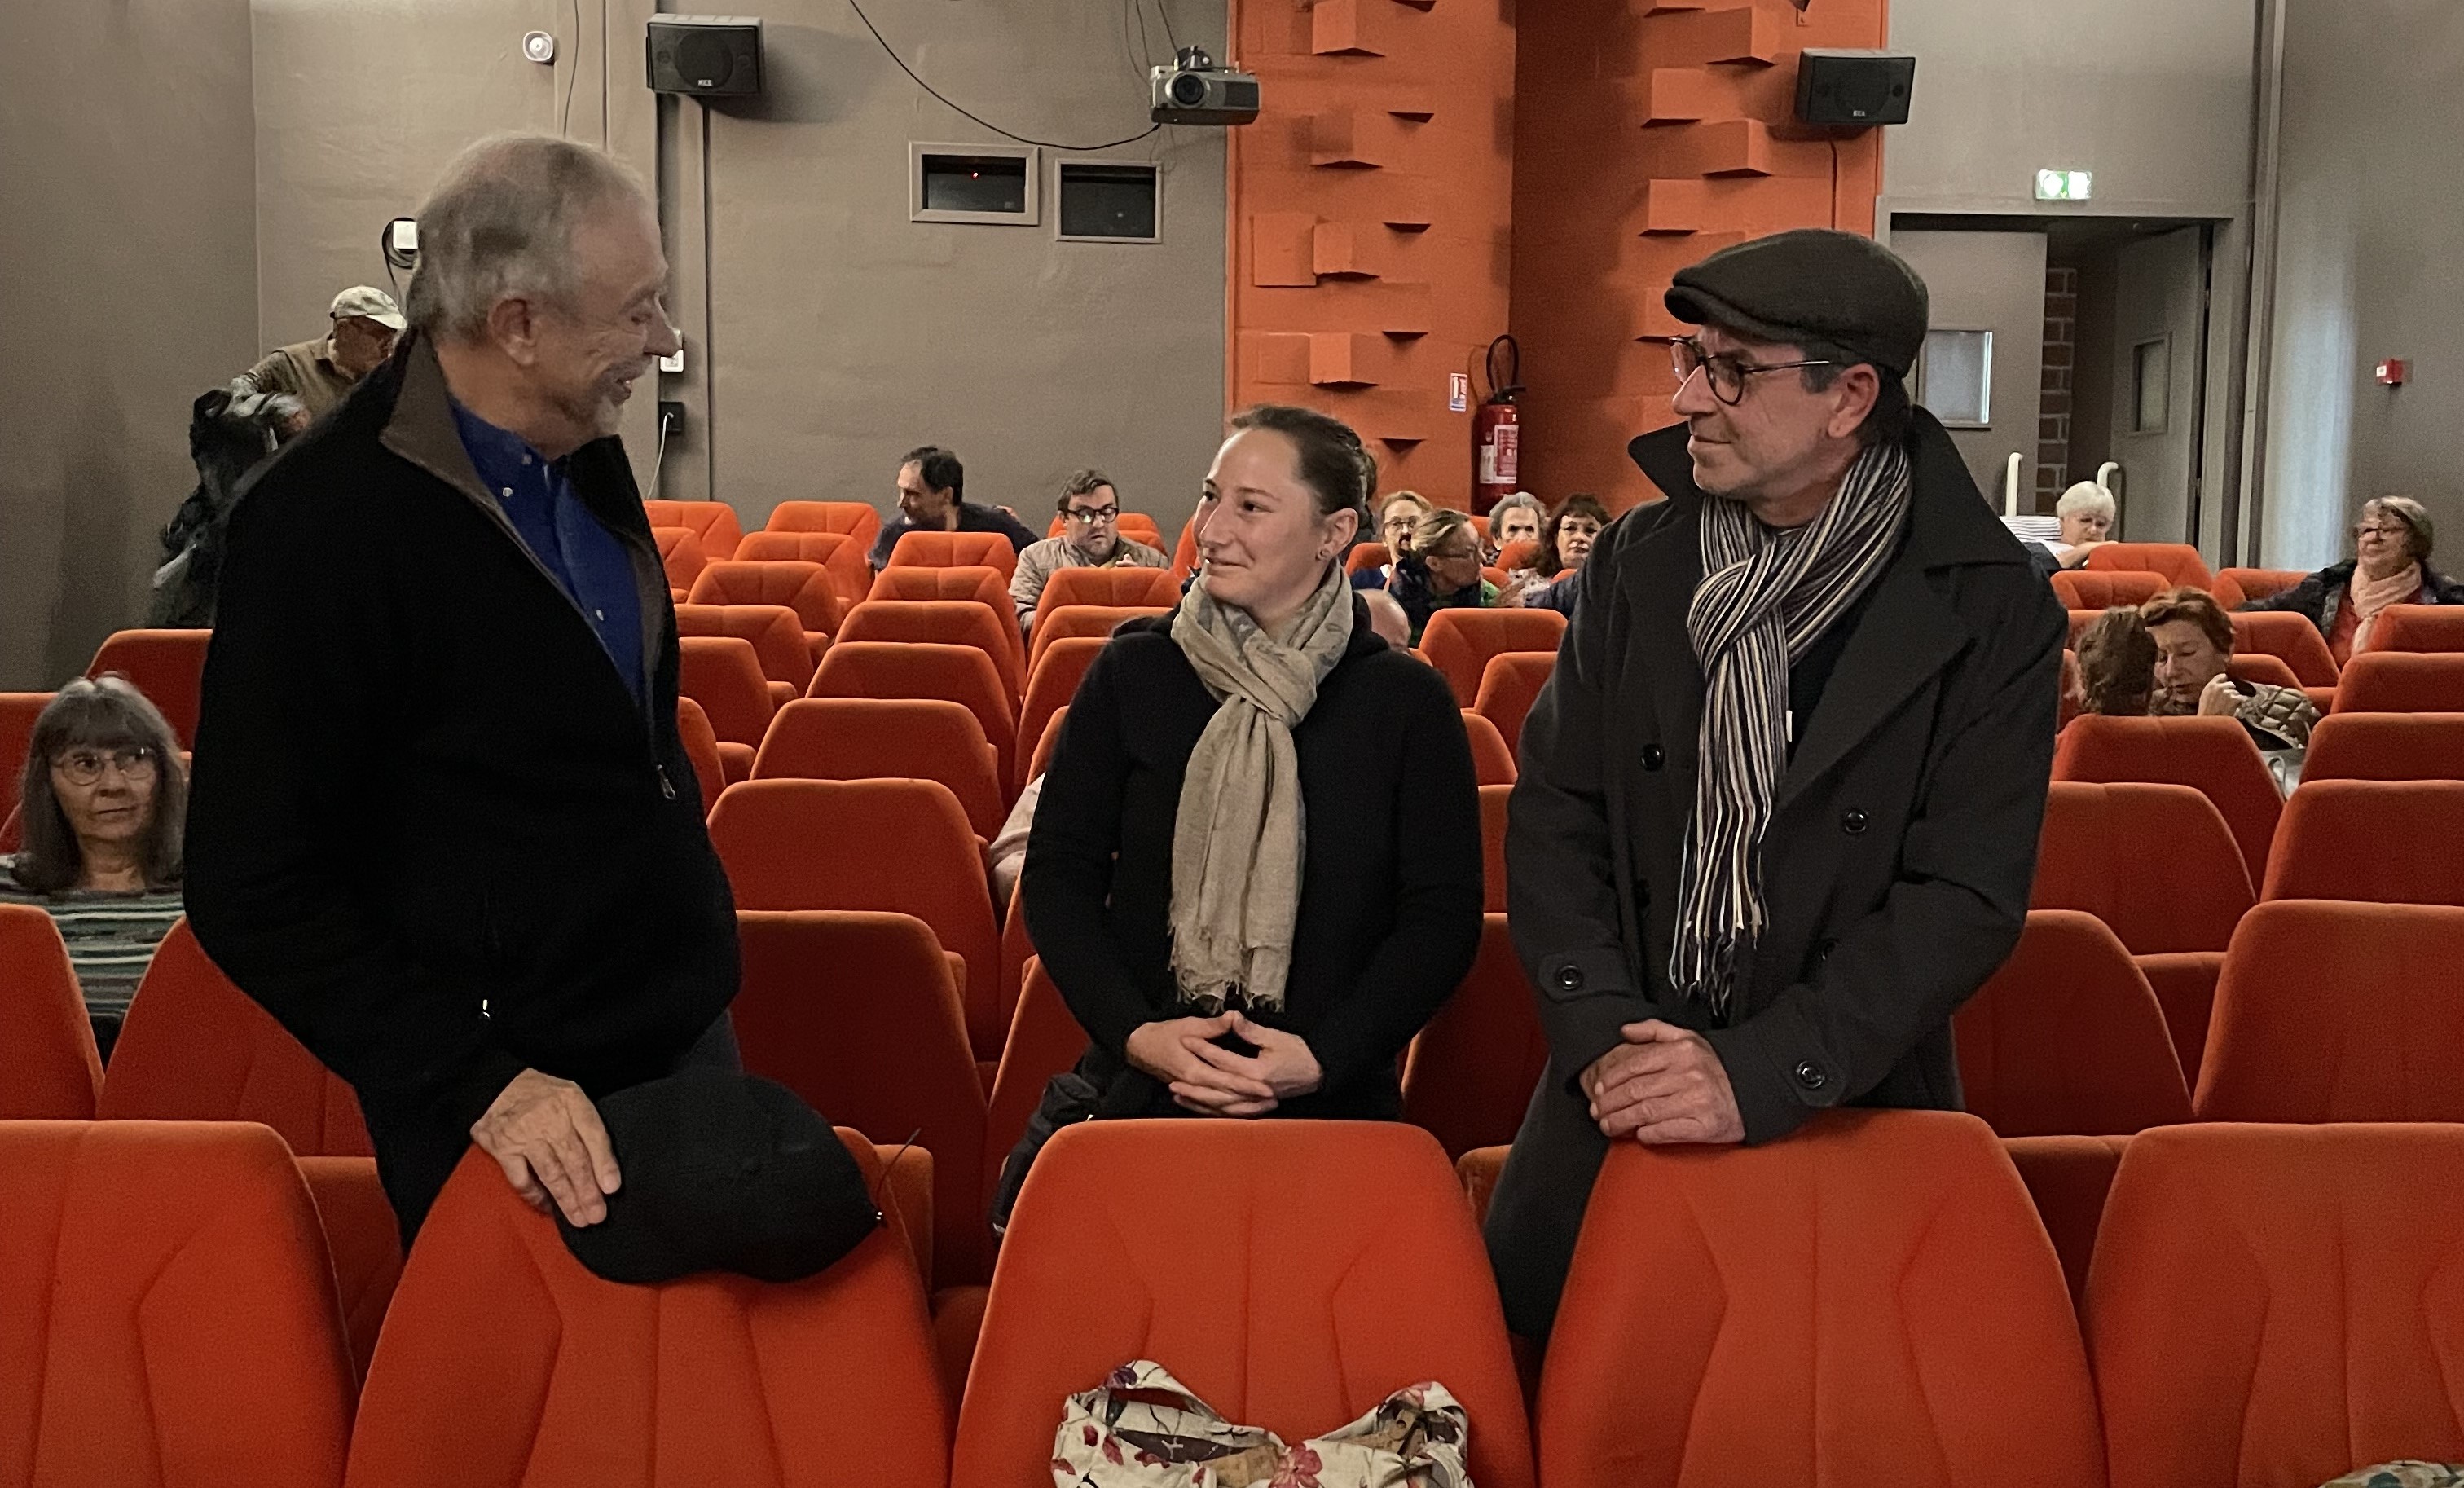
(1496,435)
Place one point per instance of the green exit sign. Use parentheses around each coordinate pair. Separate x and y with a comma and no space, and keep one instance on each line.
(2065,186)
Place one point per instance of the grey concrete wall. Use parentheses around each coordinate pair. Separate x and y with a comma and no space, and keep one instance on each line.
(127,286)
(2153,95)
(1993,281)
(837,334)
(359,105)
(2367,243)
(826,333)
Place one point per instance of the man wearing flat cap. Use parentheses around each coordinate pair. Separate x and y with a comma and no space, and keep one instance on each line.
(1778,808)
(321,374)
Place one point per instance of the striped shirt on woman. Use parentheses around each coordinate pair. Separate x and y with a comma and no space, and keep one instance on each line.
(111,936)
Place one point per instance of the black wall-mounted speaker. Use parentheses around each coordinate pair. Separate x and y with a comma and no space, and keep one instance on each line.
(1837,86)
(705,55)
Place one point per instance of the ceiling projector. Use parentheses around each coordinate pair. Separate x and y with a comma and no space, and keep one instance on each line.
(1194,91)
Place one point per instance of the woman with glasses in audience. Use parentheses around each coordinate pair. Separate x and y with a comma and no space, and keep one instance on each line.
(1443,571)
(1564,544)
(1255,870)
(2391,566)
(102,805)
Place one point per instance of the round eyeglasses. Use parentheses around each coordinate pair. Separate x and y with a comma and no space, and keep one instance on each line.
(1724,371)
(86,766)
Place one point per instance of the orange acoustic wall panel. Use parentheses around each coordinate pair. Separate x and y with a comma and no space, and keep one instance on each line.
(1369,212)
(1648,134)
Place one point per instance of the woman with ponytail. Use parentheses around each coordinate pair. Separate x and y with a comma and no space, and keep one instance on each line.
(1256,869)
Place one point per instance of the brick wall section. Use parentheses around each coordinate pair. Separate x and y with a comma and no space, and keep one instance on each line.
(2054,416)
(1369,213)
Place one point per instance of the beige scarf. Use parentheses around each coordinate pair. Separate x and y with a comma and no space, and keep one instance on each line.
(1238,839)
(2370,597)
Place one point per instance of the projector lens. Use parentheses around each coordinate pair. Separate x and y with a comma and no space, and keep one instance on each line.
(1189,90)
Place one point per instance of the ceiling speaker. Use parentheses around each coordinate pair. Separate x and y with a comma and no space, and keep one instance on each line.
(705,55)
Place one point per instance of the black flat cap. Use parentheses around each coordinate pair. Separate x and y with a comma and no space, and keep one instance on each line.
(722,1172)
(1842,297)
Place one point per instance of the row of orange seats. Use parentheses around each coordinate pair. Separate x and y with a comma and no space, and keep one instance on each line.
(1872,1300)
(863,1013)
(838,535)
(719,533)
(2411,666)
(744,665)
(2216,756)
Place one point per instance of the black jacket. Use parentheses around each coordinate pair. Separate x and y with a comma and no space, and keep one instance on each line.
(1390,893)
(1897,859)
(2320,597)
(432,829)
(972,517)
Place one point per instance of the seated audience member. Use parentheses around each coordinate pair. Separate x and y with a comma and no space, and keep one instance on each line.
(2344,600)
(2195,641)
(1564,543)
(103,799)
(1251,917)
(1090,538)
(1387,618)
(1441,572)
(1396,520)
(2086,511)
(1008,854)
(322,372)
(931,498)
(2116,662)
(1516,519)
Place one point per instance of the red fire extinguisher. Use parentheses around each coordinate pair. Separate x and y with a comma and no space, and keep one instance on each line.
(1496,435)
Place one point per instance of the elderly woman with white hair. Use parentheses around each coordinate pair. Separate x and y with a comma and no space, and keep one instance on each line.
(2392,542)
(2086,512)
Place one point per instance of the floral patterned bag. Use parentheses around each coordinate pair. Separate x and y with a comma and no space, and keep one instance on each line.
(1143,1429)
(2402,1475)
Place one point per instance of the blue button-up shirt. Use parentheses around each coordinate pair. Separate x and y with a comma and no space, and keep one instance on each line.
(586,559)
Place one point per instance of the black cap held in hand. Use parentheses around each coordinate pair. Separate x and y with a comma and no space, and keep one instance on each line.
(722,1172)
(1842,297)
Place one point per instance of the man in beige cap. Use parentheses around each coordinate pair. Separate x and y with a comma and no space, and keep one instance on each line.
(320,373)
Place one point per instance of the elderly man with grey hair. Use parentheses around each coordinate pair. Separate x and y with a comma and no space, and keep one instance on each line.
(441,827)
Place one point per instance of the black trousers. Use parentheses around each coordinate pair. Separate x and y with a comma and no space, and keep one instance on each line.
(416,1153)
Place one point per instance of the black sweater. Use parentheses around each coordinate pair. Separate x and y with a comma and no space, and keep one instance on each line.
(432,831)
(1390,913)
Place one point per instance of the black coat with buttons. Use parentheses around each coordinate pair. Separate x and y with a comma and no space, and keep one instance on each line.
(1897,859)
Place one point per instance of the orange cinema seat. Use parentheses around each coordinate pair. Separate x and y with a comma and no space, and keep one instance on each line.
(2067,1039)
(50,1071)
(1300,1317)
(1872,1300)
(505,1361)
(167,666)
(2280,1305)
(165,1310)
(713,523)
(2330,1011)
(804,844)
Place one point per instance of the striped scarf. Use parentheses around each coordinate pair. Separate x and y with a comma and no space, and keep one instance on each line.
(1766,597)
